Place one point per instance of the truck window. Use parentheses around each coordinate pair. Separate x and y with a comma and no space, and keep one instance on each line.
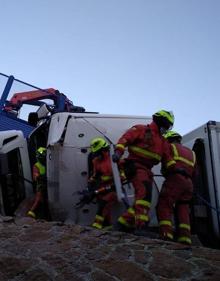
(12,184)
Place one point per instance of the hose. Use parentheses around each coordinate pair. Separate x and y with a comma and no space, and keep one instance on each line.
(207,203)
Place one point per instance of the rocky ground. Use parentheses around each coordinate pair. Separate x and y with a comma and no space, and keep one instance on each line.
(37,250)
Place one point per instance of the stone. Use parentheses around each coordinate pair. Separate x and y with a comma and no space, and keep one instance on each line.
(167,265)
(124,270)
(33,250)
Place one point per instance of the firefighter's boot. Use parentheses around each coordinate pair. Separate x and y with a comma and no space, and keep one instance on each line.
(122,228)
(184,235)
(98,223)
(166,230)
(31,214)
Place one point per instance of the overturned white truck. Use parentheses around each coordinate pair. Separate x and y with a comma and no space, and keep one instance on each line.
(68,159)
(67,137)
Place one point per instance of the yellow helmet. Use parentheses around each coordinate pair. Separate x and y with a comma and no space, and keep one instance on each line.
(168,115)
(172,135)
(41,151)
(41,155)
(98,144)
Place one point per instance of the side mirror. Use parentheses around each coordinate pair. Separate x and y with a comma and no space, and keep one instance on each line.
(3,164)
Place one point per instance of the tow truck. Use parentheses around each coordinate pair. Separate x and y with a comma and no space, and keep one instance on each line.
(10,109)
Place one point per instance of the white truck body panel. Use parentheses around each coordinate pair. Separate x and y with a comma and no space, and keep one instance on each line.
(17,138)
(68,148)
(209,136)
(13,141)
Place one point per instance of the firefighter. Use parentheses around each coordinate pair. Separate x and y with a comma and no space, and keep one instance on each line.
(146,147)
(177,191)
(39,179)
(101,182)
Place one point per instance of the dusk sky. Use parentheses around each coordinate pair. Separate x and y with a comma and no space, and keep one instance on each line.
(130,57)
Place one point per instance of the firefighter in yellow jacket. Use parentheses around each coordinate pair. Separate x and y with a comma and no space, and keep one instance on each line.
(39,178)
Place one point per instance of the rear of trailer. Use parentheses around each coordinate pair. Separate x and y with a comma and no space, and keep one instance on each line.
(205,210)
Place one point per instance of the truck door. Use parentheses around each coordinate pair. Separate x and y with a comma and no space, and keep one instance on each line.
(12,190)
(201,221)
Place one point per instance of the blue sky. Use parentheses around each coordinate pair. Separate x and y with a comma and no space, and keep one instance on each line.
(119,56)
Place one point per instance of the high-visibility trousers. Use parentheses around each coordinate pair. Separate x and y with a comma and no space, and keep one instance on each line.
(138,215)
(176,193)
(105,205)
(37,200)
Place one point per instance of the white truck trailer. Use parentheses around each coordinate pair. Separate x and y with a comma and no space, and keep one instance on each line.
(205,210)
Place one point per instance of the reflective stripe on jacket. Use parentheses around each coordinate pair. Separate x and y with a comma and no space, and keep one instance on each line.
(146,145)
(184,157)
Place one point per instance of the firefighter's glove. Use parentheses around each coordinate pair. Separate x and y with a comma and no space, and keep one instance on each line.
(129,168)
(163,171)
(87,196)
(91,186)
(116,156)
